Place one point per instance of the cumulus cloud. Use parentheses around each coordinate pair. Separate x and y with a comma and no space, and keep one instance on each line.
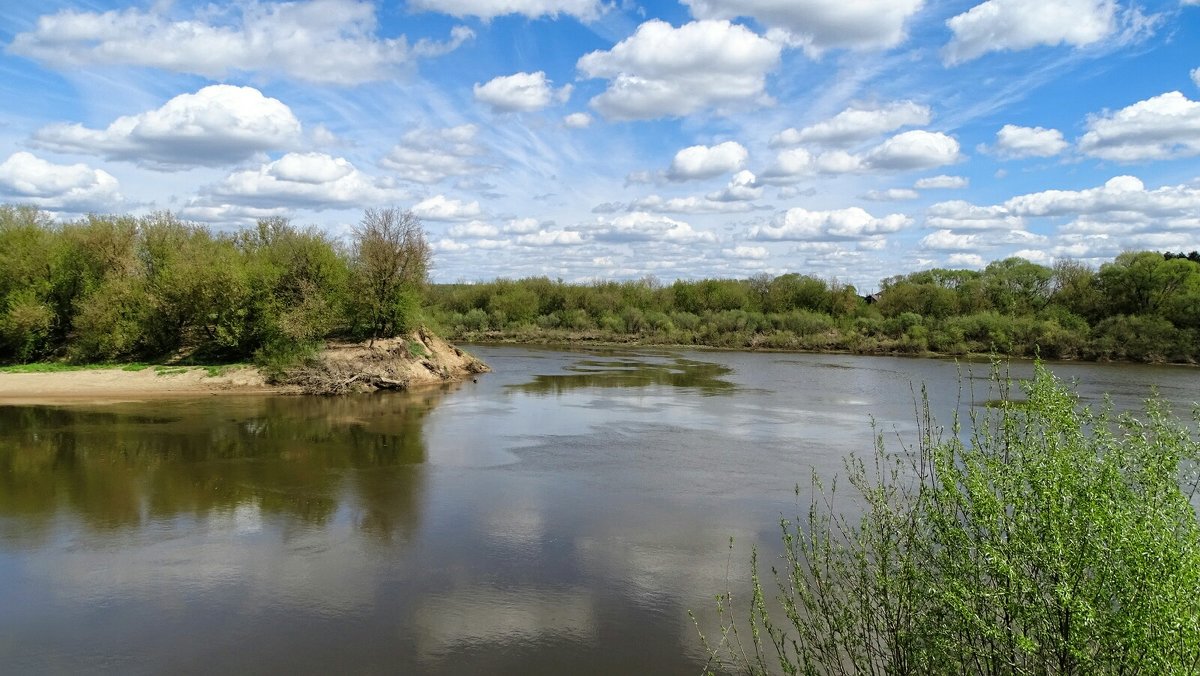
(946,240)
(1122,206)
(28,179)
(892,195)
(710,204)
(917,149)
(551,238)
(1196,76)
(855,125)
(1167,125)
(520,92)
(487,10)
(743,187)
(699,162)
(906,151)
(998,25)
(965,260)
(577,121)
(268,37)
(310,180)
(959,214)
(802,225)
(742,252)
(942,182)
(665,71)
(473,230)
(217,125)
(645,227)
(442,208)
(1015,142)
(817,25)
(431,156)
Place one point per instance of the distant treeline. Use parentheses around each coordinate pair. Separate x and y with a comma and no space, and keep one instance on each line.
(118,288)
(1142,306)
(113,288)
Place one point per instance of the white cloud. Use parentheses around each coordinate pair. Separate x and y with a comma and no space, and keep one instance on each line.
(945,240)
(756,253)
(442,208)
(665,71)
(965,260)
(892,195)
(312,180)
(1167,125)
(473,230)
(687,205)
(800,224)
(743,187)
(699,162)
(917,149)
(1021,24)
(855,125)
(817,25)
(942,182)
(962,215)
(28,179)
(520,92)
(577,121)
(906,151)
(551,238)
(490,9)
(1196,71)
(1013,141)
(322,41)
(645,227)
(1121,207)
(217,125)
(521,226)
(431,156)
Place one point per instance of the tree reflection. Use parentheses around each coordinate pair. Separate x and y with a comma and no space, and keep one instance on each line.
(299,458)
(706,377)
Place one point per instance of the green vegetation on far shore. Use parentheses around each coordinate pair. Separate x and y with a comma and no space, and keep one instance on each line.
(107,289)
(1141,306)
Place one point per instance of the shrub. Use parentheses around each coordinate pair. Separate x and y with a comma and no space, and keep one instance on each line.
(1048,540)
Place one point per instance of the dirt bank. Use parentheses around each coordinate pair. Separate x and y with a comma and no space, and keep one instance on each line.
(408,362)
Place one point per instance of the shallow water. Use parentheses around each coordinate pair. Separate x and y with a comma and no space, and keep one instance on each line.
(560,515)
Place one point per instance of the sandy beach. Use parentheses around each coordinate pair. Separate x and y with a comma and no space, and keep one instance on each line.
(116,384)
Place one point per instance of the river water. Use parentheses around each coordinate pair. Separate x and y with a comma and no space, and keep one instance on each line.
(560,515)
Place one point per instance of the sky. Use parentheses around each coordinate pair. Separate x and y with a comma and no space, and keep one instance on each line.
(616,139)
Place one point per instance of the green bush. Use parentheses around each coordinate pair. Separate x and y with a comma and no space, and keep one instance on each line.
(1044,540)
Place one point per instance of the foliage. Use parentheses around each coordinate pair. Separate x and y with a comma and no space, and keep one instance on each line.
(119,288)
(1046,540)
(1142,306)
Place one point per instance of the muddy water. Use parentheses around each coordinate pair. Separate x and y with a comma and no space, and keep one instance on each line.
(560,515)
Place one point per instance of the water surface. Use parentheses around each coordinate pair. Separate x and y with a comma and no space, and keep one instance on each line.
(560,515)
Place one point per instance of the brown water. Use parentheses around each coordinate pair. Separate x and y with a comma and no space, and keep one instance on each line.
(560,515)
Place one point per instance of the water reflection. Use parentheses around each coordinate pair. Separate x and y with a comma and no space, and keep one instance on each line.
(120,467)
(640,371)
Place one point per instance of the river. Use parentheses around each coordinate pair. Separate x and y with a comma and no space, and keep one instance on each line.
(560,515)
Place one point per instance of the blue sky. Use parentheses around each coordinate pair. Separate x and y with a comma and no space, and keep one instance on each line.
(593,139)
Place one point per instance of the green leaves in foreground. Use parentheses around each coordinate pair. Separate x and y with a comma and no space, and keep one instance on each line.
(1053,542)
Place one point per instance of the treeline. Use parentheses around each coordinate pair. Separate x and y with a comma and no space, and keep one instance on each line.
(1142,306)
(123,288)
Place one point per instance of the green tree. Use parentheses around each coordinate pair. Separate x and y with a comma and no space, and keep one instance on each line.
(390,261)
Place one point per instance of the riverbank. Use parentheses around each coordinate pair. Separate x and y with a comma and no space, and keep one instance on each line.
(829,345)
(409,362)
